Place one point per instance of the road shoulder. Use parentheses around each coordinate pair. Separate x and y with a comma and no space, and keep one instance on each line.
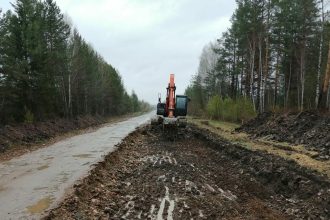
(297,153)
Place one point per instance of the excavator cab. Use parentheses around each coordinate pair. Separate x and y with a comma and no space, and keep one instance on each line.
(181,105)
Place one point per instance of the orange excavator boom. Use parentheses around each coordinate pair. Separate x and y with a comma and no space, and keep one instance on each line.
(171,97)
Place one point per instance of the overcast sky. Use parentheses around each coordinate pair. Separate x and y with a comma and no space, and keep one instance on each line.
(146,40)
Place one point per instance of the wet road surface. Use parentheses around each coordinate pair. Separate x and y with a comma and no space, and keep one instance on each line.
(35,182)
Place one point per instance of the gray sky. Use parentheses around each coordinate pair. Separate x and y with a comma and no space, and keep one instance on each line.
(146,40)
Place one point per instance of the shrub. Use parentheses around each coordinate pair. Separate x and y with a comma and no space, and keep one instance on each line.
(28,117)
(245,109)
(214,107)
(228,109)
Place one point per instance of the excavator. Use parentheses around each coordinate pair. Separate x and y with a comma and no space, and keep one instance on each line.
(173,111)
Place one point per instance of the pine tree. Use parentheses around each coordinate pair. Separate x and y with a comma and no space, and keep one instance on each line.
(272,55)
(48,70)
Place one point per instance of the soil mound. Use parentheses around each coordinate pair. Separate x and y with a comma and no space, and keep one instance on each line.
(309,128)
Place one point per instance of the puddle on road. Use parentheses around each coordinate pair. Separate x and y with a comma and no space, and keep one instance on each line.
(22,174)
(2,188)
(43,167)
(40,188)
(65,177)
(41,205)
(49,158)
(83,155)
(8,163)
(23,164)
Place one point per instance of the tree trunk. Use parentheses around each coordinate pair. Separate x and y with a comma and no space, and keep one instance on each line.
(233,74)
(266,62)
(317,92)
(64,95)
(260,77)
(276,79)
(288,85)
(328,99)
(302,75)
(70,95)
(325,86)
(86,101)
(242,72)
(252,52)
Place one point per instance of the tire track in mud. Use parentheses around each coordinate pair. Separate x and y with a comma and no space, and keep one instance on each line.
(196,176)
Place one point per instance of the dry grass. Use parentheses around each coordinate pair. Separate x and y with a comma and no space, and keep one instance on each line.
(298,153)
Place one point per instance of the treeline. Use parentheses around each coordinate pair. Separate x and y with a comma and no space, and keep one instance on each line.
(48,70)
(275,54)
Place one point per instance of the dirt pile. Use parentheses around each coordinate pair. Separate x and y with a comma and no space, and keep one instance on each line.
(308,128)
(199,176)
(33,133)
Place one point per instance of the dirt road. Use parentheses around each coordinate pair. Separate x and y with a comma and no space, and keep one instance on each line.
(34,182)
(197,176)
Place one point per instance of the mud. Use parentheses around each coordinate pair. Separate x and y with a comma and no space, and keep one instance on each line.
(40,205)
(308,128)
(196,176)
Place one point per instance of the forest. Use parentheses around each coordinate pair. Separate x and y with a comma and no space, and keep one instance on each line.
(275,56)
(47,69)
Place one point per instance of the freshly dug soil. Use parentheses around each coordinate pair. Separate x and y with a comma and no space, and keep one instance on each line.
(194,175)
(309,128)
(21,138)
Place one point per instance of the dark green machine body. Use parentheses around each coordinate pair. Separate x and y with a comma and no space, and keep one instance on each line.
(161,109)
